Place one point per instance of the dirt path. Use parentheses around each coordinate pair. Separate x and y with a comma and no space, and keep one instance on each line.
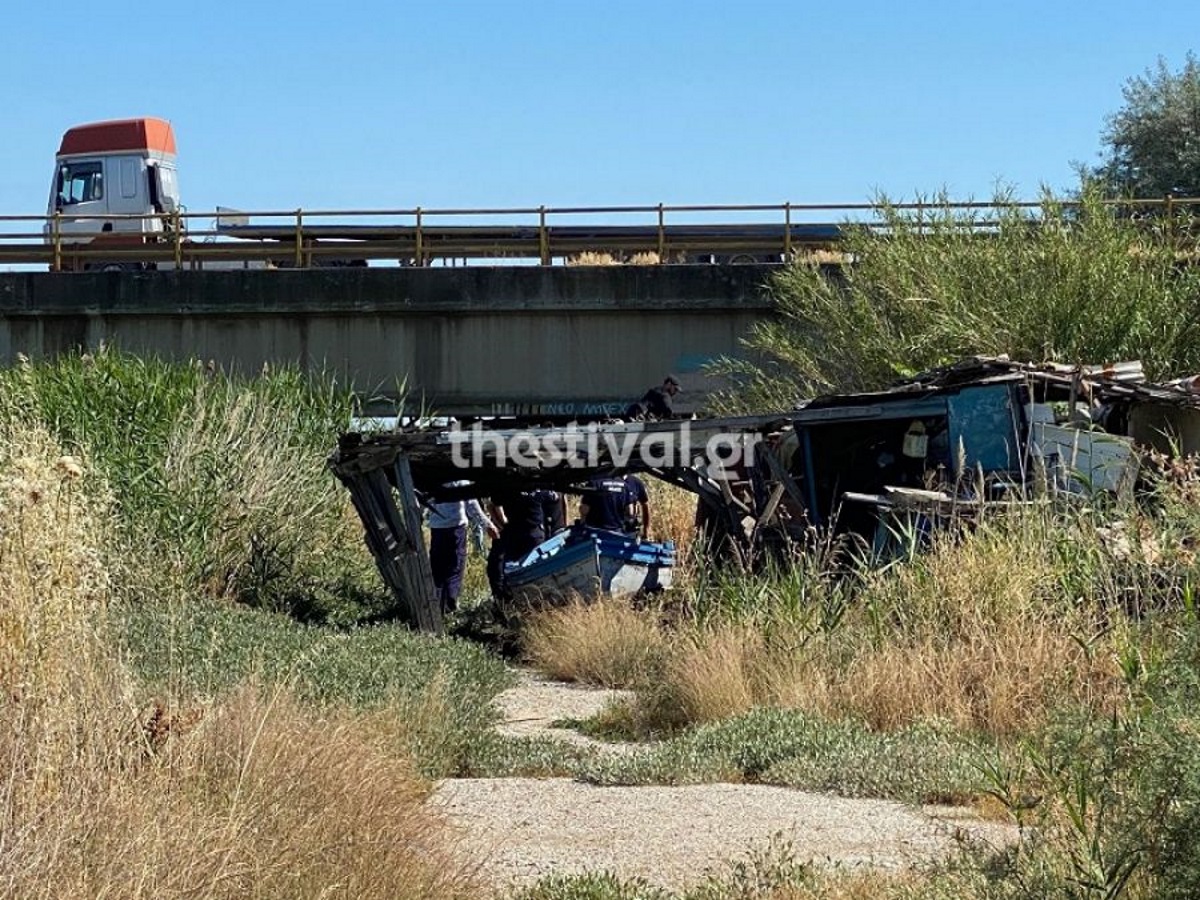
(532,707)
(521,829)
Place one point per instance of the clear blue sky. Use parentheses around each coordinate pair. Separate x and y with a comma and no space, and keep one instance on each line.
(394,104)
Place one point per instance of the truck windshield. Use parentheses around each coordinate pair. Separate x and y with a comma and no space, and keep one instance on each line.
(80,182)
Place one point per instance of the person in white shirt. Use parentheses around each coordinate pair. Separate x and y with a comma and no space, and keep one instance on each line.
(448,543)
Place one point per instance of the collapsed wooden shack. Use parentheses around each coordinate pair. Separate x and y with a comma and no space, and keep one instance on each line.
(981,431)
(724,461)
(985,430)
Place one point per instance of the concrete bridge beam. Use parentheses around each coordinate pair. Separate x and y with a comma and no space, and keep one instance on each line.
(496,339)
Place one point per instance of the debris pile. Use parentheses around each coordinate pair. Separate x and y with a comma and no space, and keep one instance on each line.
(985,430)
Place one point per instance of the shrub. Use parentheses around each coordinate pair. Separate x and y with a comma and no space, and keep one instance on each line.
(931,285)
(219,482)
(606,643)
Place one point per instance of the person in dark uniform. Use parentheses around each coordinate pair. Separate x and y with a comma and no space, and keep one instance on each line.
(605,502)
(554,513)
(608,502)
(658,402)
(637,512)
(521,518)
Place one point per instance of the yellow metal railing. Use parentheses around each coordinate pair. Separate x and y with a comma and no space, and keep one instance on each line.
(419,236)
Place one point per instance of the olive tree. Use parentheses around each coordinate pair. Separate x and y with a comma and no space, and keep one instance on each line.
(1152,144)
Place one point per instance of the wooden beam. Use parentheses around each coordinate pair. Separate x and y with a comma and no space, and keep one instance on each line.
(413,560)
(768,512)
(782,476)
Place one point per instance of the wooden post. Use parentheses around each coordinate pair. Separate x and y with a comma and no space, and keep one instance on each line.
(396,541)
(785,479)
(662,236)
(543,238)
(787,232)
(420,251)
(416,573)
(299,239)
(57,266)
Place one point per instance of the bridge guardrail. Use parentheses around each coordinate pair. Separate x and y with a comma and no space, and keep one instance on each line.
(420,236)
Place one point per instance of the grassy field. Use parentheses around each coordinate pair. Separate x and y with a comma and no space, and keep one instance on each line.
(1041,667)
(201,696)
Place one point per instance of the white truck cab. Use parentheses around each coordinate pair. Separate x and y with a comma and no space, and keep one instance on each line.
(123,167)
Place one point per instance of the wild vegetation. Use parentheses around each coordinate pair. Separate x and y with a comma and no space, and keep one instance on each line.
(1065,282)
(111,788)
(1040,665)
(200,695)
(219,483)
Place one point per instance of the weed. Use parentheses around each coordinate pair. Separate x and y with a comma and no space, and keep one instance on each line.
(606,643)
(924,289)
(435,692)
(220,484)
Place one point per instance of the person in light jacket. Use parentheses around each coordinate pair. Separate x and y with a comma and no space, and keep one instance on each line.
(448,543)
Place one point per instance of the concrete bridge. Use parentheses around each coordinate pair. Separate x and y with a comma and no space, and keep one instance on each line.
(502,339)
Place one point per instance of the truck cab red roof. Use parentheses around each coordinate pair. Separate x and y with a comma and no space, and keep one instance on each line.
(119,134)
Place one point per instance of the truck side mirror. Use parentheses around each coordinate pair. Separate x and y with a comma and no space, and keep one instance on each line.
(165,200)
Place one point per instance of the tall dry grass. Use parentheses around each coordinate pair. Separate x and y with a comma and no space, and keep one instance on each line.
(598,258)
(592,258)
(673,514)
(991,631)
(255,797)
(980,632)
(58,685)
(717,671)
(606,643)
(252,797)
(975,631)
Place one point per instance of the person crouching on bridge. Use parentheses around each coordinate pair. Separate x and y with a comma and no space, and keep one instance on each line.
(658,402)
(448,543)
